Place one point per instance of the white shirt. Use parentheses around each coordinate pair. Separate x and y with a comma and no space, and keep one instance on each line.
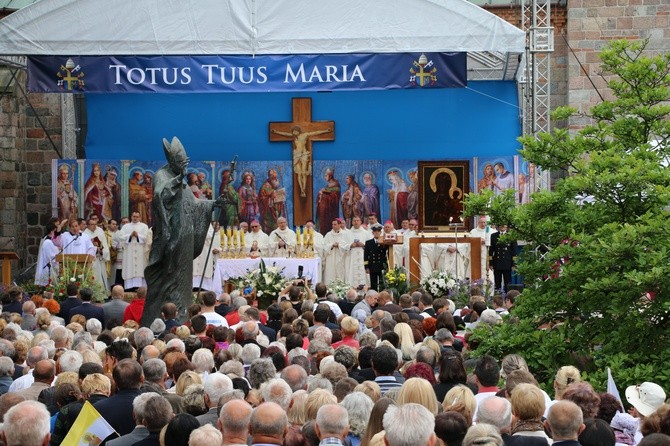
(215,319)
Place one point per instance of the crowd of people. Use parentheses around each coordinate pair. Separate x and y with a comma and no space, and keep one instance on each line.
(367,369)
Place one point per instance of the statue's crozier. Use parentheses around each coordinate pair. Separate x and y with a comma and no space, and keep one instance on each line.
(180,227)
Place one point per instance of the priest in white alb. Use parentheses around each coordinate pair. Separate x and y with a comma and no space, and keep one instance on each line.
(135,236)
(261,238)
(74,241)
(335,249)
(283,240)
(355,262)
(483,231)
(205,263)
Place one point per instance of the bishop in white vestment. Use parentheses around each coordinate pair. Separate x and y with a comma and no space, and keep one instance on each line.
(257,235)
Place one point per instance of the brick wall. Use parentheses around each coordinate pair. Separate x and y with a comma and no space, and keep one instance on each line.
(593,23)
(25,169)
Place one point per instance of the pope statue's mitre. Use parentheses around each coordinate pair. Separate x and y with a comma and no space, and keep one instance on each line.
(174,151)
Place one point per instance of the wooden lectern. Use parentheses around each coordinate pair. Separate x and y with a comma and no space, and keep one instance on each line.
(79,259)
(7,257)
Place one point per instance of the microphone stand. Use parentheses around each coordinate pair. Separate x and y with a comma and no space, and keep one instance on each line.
(455,226)
(60,252)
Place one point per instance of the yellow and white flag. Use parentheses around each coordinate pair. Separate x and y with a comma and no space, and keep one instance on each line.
(89,429)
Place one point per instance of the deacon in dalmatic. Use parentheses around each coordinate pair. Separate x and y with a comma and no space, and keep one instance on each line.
(283,240)
(99,240)
(336,245)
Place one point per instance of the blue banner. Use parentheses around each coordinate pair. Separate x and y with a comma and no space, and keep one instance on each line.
(216,74)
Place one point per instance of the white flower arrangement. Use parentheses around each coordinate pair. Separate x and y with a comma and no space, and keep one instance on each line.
(439,283)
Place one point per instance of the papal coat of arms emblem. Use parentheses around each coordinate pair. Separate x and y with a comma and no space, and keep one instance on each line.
(70,76)
(423,73)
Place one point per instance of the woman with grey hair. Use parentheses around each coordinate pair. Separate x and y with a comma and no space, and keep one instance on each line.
(482,434)
(6,373)
(261,371)
(359,407)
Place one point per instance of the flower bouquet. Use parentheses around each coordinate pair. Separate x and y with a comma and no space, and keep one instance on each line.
(339,287)
(396,280)
(439,283)
(78,274)
(267,283)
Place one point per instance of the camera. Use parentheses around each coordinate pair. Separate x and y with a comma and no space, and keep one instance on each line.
(360,287)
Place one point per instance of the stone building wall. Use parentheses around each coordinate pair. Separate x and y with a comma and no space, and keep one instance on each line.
(593,23)
(25,168)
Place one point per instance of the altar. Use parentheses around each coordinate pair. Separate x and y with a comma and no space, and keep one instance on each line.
(227,269)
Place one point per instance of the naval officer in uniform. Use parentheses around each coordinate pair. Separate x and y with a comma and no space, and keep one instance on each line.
(374,257)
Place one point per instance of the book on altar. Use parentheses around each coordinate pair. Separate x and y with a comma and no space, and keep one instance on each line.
(392,238)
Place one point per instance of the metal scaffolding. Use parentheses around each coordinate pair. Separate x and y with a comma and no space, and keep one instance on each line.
(536,79)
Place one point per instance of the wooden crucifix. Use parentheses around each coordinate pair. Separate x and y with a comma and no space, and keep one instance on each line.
(301,132)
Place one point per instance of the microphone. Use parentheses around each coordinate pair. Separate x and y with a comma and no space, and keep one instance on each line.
(8,241)
(233,164)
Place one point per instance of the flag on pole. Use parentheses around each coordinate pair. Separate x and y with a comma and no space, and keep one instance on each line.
(88,429)
(611,386)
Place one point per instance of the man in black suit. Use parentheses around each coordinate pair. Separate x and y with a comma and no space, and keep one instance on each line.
(87,309)
(502,255)
(374,257)
(72,301)
(118,409)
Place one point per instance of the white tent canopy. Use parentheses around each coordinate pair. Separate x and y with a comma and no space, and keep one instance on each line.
(261,27)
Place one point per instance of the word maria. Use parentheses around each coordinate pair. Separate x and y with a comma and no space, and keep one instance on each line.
(226,75)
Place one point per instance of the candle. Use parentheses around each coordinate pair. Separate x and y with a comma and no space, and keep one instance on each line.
(241,238)
(235,239)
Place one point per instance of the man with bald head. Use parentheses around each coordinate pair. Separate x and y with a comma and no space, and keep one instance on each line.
(250,332)
(35,354)
(268,424)
(114,308)
(565,422)
(43,374)
(234,422)
(295,376)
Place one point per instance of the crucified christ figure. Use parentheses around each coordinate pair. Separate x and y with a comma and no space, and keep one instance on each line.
(302,155)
